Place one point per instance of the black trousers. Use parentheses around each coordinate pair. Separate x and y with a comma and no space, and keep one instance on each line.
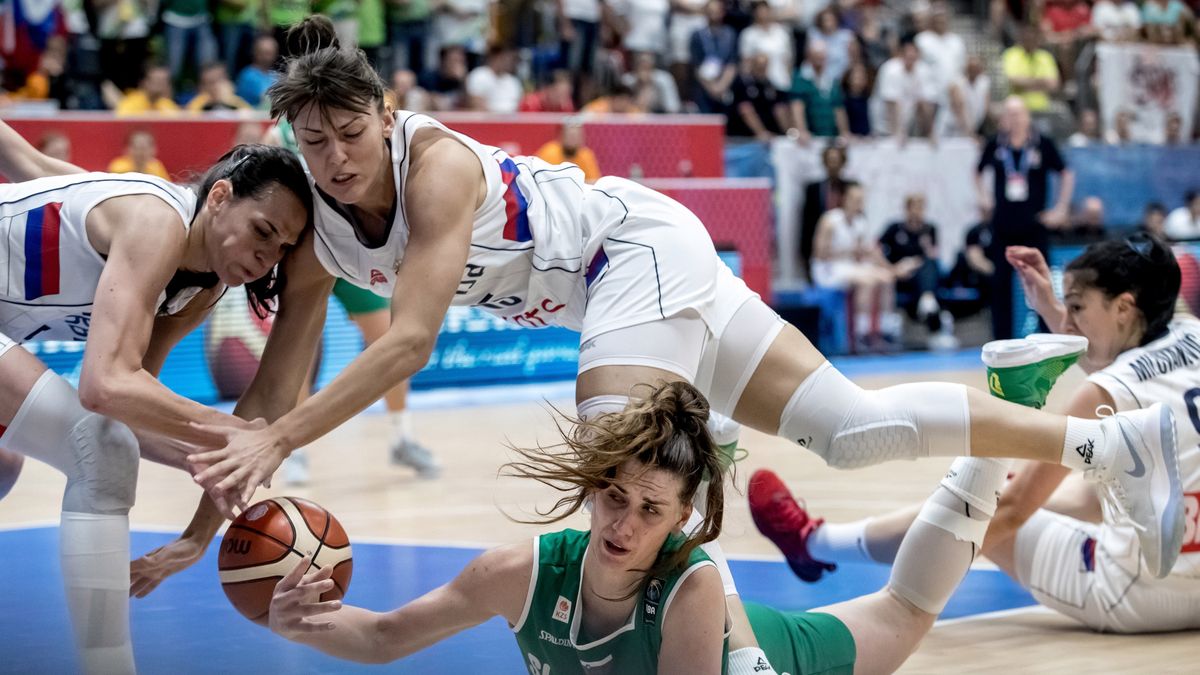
(1005,280)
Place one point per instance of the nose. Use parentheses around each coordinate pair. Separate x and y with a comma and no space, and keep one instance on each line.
(337,152)
(623,525)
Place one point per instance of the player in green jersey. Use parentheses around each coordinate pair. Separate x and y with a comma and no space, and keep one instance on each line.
(636,593)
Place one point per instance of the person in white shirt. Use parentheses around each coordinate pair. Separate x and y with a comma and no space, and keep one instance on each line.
(768,37)
(492,87)
(654,88)
(969,96)
(1184,222)
(945,52)
(644,24)
(1116,21)
(905,94)
(462,23)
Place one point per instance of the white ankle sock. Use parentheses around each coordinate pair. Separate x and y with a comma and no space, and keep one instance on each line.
(1083,444)
(841,543)
(401,423)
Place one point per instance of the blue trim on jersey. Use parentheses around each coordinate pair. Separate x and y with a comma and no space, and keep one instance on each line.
(599,264)
(516,228)
(33,253)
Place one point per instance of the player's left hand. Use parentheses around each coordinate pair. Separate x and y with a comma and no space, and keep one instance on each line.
(296,603)
(148,571)
(234,472)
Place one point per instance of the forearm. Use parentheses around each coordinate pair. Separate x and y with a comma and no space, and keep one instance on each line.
(356,636)
(20,161)
(145,404)
(1066,190)
(205,522)
(750,117)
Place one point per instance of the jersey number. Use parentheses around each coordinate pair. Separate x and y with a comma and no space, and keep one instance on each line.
(536,667)
(1191,502)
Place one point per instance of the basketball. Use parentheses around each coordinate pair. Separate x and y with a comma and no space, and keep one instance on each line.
(266,542)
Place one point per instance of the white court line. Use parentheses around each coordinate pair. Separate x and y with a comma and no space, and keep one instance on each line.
(998,614)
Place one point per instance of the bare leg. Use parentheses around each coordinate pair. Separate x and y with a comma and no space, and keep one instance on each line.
(10,470)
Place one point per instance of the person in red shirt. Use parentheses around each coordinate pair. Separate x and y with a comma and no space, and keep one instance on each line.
(554,96)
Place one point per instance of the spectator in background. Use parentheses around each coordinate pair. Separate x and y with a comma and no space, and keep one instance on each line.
(767,37)
(687,17)
(153,95)
(31,31)
(856,99)
(906,91)
(653,89)
(579,35)
(1089,220)
(1088,132)
(555,96)
(123,27)
(141,156)
(1184,222)
(760,111)
(943,51)
(46,82)
(493,87)
(1021,161)
(817,105)
(1164,20)
(1066,25)
(619,100)
(1116,20)
(463,23)
(969,97)
(827,28)
(216,91)
(1122,131)
(1154,220)
(641,24)
(911,248)
(1031,71)
(447,84)
(372,34)
(253,81)
(55,144)
(1173,134)
(570,147)
(714,61)
(409,23)
(237,26)
(344,15)
(846,258)
(819,197)
(408,95)
(973,267)
(187,32)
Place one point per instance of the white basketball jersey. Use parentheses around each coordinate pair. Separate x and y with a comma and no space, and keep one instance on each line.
(535,236)
(49,270)
(1167,371)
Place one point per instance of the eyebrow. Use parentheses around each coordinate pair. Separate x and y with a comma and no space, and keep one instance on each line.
(275,231)
(644,499)
(341,128)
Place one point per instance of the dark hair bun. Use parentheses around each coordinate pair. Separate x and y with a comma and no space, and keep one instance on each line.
(313,34)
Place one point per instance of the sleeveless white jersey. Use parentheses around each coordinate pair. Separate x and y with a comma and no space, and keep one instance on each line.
(1167,371)
(536,236)
(49,270)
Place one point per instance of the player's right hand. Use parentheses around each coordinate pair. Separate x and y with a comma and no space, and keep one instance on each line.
(296,604)
(148,571)
(1031,267)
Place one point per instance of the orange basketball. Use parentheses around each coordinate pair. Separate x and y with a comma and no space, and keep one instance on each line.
(266,542)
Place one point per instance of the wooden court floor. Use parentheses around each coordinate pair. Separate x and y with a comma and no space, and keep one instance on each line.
(350,477)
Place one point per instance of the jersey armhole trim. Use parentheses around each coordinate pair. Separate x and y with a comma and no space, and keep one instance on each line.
(516,628)
(679,584)
(150,190)
(1123,396)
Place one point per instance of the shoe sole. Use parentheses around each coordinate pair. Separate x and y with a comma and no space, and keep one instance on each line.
(1172,513)
(1065,347)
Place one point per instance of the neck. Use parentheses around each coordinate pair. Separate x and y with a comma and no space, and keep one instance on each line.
(1018,138)
(382,196)
(606,585)
(194,258)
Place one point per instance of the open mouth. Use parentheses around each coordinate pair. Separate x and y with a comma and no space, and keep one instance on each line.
(342,178)
(613,549)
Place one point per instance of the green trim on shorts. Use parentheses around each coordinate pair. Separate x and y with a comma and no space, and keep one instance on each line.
(357,301)
(803,643)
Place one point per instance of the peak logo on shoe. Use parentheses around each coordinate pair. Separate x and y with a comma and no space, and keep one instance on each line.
(1085,451)
(804,442)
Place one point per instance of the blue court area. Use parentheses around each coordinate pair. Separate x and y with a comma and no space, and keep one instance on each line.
(187,625)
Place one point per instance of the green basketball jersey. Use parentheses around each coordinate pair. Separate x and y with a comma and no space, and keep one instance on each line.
(548,631)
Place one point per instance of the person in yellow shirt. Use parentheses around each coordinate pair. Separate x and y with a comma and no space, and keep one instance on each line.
(153,95)
(1031,71)
(140,157)
(216,91)
(569,147)
(620,100)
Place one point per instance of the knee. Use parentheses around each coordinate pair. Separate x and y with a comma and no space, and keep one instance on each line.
(104,479)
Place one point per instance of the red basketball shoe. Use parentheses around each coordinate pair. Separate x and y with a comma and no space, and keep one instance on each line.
(785,522)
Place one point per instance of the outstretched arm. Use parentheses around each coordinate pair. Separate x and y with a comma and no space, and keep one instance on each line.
(20,161)
(440,203)
(494,584)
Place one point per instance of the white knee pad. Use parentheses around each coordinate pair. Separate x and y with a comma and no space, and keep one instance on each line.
(98,455)
(850,427)
(596,406)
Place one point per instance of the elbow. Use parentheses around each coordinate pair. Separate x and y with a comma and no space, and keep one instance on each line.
(414,348)
(97,394)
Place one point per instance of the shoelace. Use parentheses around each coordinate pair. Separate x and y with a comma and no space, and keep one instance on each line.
(1111,492)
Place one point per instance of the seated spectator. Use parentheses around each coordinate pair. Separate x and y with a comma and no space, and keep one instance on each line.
(1089,220)
(1163,20)
(554,97)
(140,157)
(1184,222)
(817,105)
(827,28)
(845,257)
(1031,71)
(760,110)
(46,82)
(713,61)
(493,87)
(911,248)
(687,17)
(1122,131)
(973,269)
(1066,24)
(619,101)
(641,24)
(1154,220)
(570,147)
(905,94)
(856,99)
(969,98)
(1088,132)
(1173,133)
(819,197)
(216,91)
(254,79)
(769,38)
(153,95)
(1116,20)
(447,84)
(407,95)
(654,89)
(55,144)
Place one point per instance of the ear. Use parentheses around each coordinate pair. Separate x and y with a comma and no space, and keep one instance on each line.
(221,192)
(1126,303)
(389,119)
(684,516)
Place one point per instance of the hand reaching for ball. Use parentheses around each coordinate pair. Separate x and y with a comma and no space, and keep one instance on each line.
(296,606)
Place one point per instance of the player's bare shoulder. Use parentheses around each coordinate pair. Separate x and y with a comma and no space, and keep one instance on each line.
(440,162)
(500,577)
(144,216)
